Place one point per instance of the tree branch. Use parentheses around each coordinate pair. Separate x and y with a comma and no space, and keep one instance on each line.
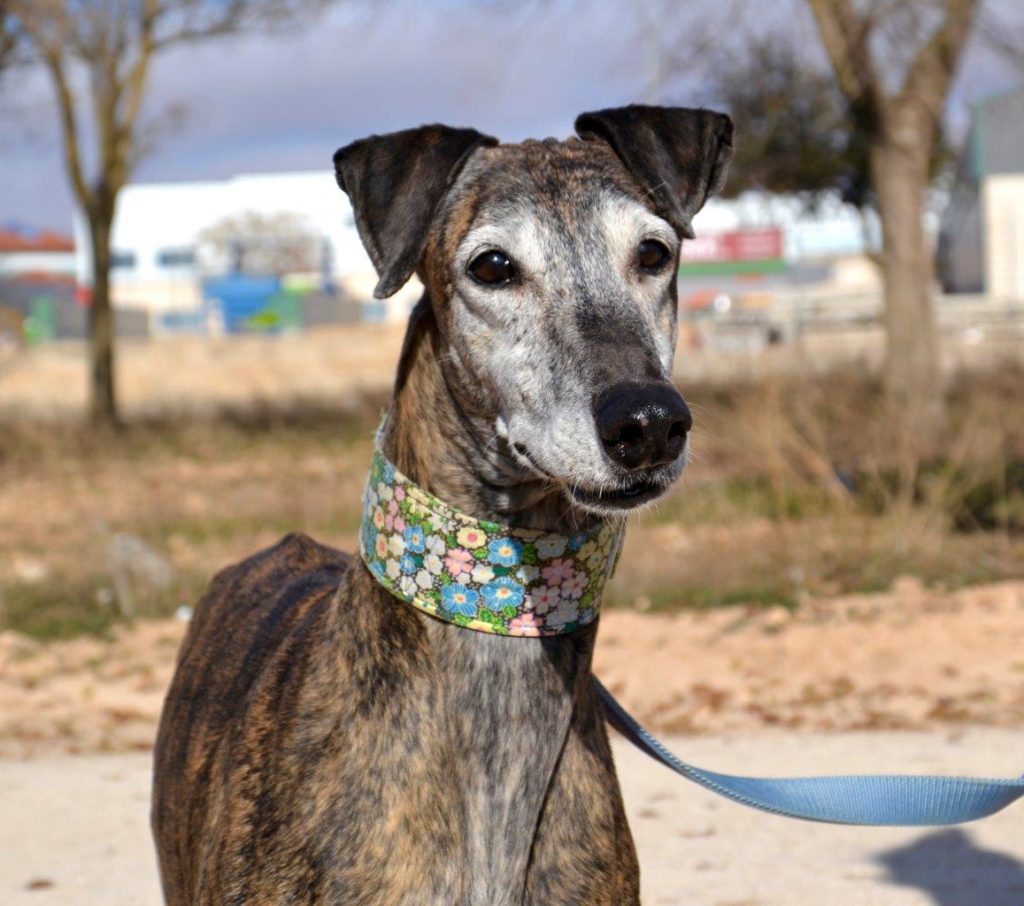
(932,70)
(1003,35)
(134,89)
(229,19)
(69,127)
(845,36)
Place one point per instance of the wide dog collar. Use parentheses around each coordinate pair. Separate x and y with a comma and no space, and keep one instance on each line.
(478,574)
(494,578)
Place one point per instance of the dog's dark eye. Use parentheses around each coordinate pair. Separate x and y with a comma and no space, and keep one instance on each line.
(652,256)
(492,268)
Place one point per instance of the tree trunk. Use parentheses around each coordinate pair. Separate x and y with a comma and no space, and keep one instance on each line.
(899,161)
(102,396)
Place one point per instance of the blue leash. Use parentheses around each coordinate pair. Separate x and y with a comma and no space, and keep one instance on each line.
(887,799)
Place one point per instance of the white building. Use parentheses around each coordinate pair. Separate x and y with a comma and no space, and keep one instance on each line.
(158,225)
(834,230)
(981,243)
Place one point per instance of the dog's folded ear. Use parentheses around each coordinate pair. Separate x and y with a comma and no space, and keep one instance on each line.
(680,156)
(395,183)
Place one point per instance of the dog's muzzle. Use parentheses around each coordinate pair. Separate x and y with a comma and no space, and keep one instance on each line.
(642,425)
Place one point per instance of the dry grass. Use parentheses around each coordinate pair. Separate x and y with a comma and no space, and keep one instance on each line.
(174,376)
(804,487)
(796,488)
(199,493)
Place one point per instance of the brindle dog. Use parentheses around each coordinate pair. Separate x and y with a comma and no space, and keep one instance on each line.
(323,742)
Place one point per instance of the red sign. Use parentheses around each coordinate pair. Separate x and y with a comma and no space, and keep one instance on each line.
(736,245)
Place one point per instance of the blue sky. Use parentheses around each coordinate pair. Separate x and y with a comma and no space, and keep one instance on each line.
(263,103)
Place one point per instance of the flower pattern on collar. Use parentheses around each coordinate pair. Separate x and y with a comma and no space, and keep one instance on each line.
(478,574)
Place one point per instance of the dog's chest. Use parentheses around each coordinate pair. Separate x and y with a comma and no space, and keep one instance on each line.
(508,706)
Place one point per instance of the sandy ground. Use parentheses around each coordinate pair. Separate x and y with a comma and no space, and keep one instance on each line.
(74,830)
(911,680)
(910,659)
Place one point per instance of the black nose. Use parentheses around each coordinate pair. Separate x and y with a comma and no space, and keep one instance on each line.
(642,424)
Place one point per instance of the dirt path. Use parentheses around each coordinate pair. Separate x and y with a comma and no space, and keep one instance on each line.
(74,830)
(753,690)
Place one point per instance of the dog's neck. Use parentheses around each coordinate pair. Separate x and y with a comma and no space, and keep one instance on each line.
(439,437)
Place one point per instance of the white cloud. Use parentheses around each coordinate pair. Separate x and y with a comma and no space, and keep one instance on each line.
(265,103)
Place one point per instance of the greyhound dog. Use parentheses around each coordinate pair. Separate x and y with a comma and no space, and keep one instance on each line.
(325,742)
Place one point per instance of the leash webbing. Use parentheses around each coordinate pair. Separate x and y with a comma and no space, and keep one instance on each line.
(886,799)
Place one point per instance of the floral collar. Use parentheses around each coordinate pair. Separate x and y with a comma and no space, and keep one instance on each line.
(478,574)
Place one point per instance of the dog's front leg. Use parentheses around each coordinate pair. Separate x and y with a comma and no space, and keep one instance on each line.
(583,851)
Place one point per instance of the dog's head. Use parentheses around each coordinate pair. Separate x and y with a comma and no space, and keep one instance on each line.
(550,269)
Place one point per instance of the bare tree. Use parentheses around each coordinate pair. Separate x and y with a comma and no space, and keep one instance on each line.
(894,61)
(109,45)
(891,65)
(799,135)
(264,244)
(797,138)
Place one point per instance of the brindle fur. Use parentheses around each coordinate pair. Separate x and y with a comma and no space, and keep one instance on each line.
(325,743)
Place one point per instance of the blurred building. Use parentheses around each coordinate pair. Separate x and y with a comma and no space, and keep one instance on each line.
(981,237)
(831,229)
(158,247)
(189,254)
(769,269)
(37,286)
(42,309)
(25,252)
